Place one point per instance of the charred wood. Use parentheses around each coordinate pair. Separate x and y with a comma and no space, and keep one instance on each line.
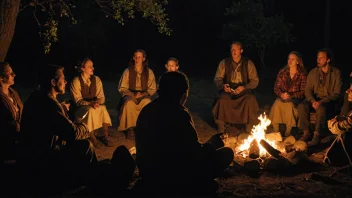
(271,150)
(254,150)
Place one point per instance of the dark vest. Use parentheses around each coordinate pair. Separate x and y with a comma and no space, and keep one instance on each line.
(132,79)
(88,93)
(243,68)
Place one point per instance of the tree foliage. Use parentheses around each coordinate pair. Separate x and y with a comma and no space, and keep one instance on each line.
(254,28)
(49,12)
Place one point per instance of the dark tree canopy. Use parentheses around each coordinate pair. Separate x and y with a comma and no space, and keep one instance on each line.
(48,13)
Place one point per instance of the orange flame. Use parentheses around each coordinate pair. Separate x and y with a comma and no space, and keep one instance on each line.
(257,133)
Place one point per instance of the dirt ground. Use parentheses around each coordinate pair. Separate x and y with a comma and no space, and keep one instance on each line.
(236,182)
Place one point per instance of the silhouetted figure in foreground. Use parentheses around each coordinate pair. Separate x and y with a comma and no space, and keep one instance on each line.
(340,152)
(57,152)
(170,159)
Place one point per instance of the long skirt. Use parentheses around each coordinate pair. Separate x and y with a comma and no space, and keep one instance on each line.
(242,110)
(129,111)
(95,117)
(283,113)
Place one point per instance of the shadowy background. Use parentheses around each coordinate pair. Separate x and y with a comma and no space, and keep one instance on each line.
(196,40)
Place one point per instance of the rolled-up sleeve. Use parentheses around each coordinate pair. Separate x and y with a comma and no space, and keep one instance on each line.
(219,75)
(66,128)
(252,75)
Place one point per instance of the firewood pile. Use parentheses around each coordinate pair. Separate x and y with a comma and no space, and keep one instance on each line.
(288,154)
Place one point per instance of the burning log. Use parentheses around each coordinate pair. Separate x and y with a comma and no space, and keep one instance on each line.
(252,165)
(271,150)
(294,157)
(254,150)
(272,164)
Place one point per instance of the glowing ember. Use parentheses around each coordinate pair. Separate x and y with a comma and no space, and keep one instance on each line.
(257,133)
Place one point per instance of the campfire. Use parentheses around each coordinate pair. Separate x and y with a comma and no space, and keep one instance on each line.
(259,149)
(254,141)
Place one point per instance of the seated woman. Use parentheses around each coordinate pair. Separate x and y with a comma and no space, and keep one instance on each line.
(289,88)
(136,86)
(10,113)
(88,95)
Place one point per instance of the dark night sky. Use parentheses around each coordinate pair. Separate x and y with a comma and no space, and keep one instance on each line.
(195,41)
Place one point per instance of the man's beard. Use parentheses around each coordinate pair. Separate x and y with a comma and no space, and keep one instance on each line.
(325,64)
(59,91)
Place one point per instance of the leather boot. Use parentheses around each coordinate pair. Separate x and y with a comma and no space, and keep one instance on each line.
(130,134)
(275,127)
(306,135)
(107,141)
(248,128)
(315,140)
(221,126)
(288,131)
(94,141)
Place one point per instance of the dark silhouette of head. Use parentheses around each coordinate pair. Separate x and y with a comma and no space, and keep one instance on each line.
(174,86)
(49,73)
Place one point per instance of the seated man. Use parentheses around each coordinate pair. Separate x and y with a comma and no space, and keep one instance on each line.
(340,152)
(322,90)
(170,159)
(53,149)
(236,77)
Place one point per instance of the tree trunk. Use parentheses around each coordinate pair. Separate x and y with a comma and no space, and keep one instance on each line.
(8,15)
(327,28)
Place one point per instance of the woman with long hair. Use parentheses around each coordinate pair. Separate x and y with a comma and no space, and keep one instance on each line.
(136,86)
(289,89)
(10,113)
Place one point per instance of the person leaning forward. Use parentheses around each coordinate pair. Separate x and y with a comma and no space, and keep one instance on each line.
(57,151)
(236,77)
(167,143)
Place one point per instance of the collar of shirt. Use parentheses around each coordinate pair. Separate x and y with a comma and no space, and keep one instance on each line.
(86,80)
